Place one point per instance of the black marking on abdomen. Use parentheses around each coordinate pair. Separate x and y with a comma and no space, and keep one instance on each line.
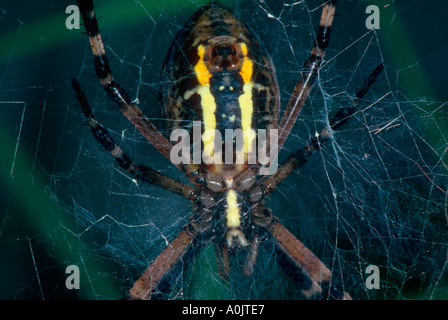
(226,87)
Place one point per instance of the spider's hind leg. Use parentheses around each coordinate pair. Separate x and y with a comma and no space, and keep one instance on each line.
(299,262)
(193,238)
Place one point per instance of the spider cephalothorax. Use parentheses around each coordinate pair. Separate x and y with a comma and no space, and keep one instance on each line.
(218,77)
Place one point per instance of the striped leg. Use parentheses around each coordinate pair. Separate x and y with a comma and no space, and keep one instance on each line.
(308,75)
(113,89)
(301,156)
(139,172)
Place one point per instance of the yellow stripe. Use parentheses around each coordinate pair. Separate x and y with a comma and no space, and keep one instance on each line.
(208,103)
(208,114)
(247,68)
(245,100)
(233,213)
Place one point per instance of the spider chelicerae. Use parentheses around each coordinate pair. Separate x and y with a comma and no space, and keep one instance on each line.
(217,72)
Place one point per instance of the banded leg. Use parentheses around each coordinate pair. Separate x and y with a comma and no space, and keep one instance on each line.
(139,172)
(308,74)
(301,156)
(113,89)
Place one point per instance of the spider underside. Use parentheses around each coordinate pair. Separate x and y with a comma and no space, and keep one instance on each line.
(218,74)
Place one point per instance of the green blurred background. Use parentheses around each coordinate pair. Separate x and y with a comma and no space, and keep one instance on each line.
(49,160)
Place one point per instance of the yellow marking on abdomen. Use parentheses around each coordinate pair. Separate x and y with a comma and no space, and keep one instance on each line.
(208,103)
(245,100)
(201,69)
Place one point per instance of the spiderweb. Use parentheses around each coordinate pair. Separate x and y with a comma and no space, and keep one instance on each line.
(376,194)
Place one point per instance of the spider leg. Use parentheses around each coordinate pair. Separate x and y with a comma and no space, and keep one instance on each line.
(192,238)
(308,74)
(313,272)
(113,89)
(139,172)
(293,255)
(301,156)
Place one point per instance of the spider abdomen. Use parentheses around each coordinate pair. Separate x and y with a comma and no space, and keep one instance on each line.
(218,74)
